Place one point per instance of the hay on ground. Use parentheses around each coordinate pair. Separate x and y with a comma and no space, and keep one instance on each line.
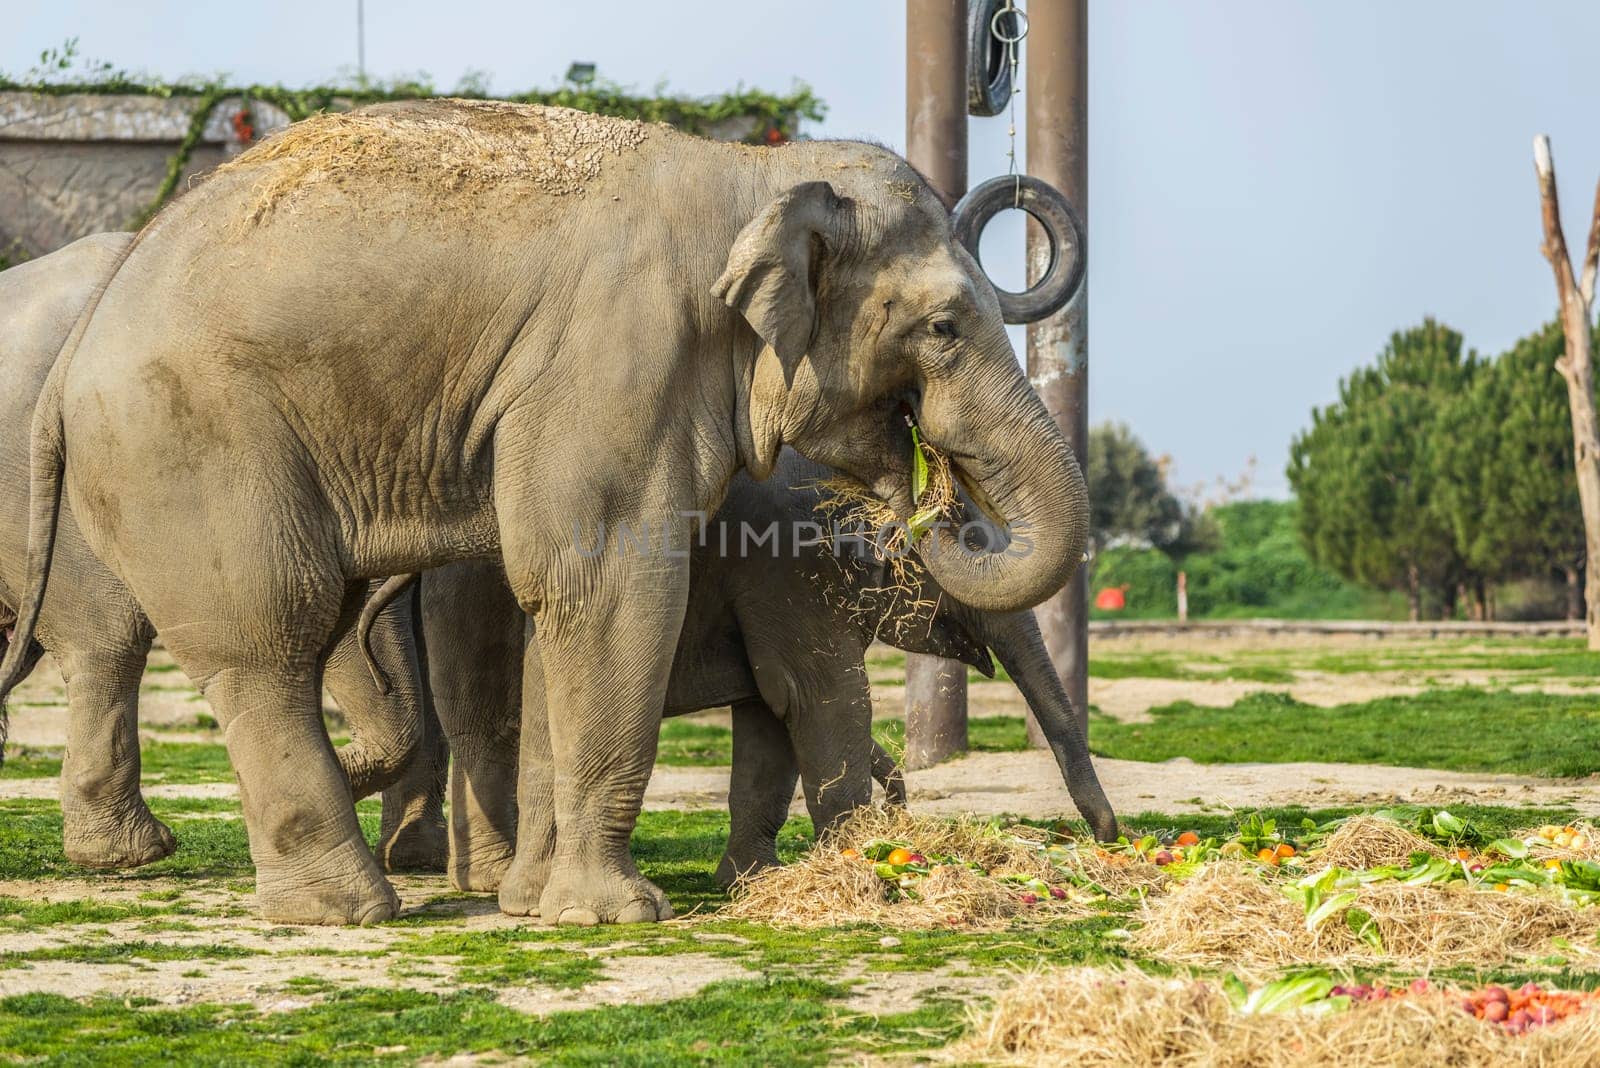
(826,889)
(1370,841)
(1105,1017)
(1231,917)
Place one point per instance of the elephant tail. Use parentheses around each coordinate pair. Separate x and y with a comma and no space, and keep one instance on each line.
(380,599)
(48,461)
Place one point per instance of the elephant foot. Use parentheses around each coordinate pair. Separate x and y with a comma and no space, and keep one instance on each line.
(589,891)
(734,866)
(522,885)
(344,887)
(485,870)
(127,843)
(421,845)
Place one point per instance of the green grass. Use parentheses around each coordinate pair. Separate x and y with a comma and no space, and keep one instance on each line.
(182,763)
(685,744)
(1170,666)
(777,1021)
(985,734)
(1462,729)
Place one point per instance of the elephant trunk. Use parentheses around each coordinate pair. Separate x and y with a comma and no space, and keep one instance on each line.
(1024,474)
(1017,644)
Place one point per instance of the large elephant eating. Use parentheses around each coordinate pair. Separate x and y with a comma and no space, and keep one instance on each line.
(422,332)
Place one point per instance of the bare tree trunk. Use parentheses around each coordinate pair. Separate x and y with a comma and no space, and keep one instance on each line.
(1413,594)
(1480,600)
(1574,593)
(1577,298)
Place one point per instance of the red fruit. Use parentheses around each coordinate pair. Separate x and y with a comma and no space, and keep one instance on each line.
(1495,1011)
(1519,1020)
(1419,986)
(1164,858)
(917,858)
(1475,868)
(1541,1014)
(1058,893)
(1030,898)
(1530,988)
(1496,993)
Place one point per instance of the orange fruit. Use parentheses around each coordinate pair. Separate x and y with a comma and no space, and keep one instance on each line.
(1188,838)
(899,856)
(850,854)
(1267,856)
(1463,854)
(1284,850)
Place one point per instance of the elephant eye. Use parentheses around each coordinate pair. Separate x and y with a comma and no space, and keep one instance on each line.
(944,327)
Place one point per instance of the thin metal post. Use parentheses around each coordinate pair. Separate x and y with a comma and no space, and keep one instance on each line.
(1057,82)
(361,42)
(936,144)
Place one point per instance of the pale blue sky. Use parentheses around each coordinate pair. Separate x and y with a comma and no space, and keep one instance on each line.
(1276,186)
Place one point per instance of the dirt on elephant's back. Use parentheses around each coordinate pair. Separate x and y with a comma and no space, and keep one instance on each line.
(441,148)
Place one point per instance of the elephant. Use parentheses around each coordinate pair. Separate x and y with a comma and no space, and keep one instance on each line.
(779,634)
(100,637)
(387,339)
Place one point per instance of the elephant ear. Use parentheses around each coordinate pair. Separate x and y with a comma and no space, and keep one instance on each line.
(771,274)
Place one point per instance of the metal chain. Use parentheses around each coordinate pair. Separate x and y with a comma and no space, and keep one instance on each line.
(1020,21)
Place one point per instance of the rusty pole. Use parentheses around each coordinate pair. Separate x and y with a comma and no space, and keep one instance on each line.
(936,144)
(1057,83)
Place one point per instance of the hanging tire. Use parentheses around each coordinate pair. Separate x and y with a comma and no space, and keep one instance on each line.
(988,68)
(1068,257)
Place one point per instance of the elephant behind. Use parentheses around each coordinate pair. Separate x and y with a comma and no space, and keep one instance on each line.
(100,637)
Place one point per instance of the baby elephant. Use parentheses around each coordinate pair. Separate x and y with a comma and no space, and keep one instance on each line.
(777,628)
(100,637)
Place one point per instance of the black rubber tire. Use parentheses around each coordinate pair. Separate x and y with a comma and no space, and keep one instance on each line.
(1068,256)
(988,72)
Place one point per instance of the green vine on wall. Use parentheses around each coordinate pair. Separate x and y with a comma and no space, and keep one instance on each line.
(774,115)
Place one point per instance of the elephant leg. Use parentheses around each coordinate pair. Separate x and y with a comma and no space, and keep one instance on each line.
(606,654)
(105,821)
(523,884)
(833,741)
(474,641)
(413,836)
(889,776)
(262,676)
(759,791)
(387,728)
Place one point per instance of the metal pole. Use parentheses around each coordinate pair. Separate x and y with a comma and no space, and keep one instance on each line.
(1057,81)
(936,144)
(361,42)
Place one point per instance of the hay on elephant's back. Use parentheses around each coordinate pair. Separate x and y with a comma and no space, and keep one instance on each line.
(1100,1017)
(1233,917)
(443,149)
(1370,841)
(827,889)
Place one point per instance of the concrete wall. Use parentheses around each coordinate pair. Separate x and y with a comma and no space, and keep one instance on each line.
(81,164)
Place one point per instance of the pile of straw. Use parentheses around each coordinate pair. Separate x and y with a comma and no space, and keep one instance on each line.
(826,888)
(1229,916)
(1370,841)
(1095,1016)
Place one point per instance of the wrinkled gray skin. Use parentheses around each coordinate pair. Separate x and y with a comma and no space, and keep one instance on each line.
(779,633)
(268,405)
(99,637)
